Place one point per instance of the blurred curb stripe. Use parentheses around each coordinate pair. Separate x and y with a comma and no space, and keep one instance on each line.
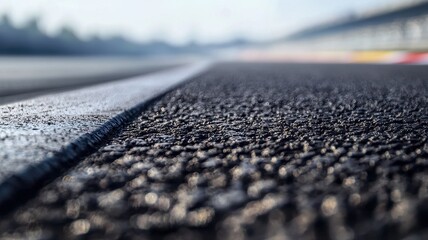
(381,57)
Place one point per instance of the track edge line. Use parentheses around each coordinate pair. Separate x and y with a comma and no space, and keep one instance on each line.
(20,187)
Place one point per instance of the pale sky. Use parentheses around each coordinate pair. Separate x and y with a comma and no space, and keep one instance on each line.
(179,21)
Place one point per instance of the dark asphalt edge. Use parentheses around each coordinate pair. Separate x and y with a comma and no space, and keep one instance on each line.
(20,187)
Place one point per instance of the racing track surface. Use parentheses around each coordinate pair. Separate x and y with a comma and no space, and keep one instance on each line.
(255,150)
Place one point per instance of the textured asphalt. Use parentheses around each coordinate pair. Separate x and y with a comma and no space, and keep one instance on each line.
(257,151)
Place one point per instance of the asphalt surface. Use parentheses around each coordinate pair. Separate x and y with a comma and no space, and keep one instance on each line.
(254,151)
(26,77)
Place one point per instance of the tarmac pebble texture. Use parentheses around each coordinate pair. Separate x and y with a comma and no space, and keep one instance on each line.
(255,151)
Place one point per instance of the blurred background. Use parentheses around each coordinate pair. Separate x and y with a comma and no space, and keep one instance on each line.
(147,28)
(51,44)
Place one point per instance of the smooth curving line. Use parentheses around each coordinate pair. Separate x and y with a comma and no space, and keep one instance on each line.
(19,187)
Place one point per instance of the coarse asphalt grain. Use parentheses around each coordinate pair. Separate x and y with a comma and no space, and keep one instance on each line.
(281,151)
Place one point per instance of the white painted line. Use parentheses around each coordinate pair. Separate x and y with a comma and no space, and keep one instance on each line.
(32,130)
